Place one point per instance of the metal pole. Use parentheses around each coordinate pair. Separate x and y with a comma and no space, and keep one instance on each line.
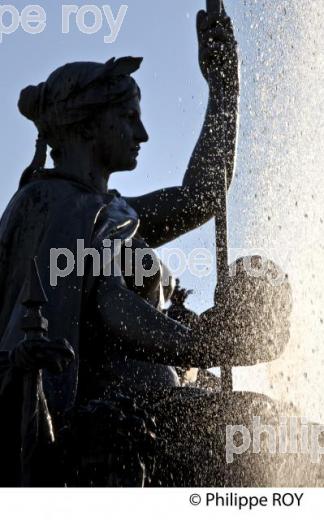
(216,7)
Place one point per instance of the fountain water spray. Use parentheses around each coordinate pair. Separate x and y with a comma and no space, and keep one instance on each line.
(275,207)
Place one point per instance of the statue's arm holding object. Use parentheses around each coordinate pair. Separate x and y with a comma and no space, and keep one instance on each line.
(217,337)
(146,334)
(171,212)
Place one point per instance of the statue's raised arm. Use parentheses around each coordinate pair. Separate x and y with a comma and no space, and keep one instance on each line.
(171,212)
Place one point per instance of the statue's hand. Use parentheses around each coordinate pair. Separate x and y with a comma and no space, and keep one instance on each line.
(218,57)
(211,337)
(251,322)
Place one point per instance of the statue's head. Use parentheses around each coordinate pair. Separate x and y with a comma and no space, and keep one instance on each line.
(86,104)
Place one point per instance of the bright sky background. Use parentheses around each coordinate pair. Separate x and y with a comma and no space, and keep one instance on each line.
(276,199)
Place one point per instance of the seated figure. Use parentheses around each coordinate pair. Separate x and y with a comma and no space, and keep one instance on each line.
(96,412)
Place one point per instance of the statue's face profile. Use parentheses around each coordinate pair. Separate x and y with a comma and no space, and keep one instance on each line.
(89,115)
(118,136)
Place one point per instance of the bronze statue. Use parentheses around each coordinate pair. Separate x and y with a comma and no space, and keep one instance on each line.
(102,406)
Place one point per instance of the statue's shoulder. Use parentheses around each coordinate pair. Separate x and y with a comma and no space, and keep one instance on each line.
(53,192)
(116,219)
(46,202)
(52,187)
(116,200)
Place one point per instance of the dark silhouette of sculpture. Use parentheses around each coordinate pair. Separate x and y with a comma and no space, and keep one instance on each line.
(108,406)
(177,310)
(25,363)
